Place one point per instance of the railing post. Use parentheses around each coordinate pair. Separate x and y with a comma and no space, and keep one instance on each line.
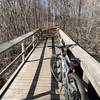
(23,48)
(33,40)
(40,34)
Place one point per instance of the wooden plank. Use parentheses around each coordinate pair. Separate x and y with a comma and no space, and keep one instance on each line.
(46,91)
(23,48)
(90,66)
(7,45)
(45,72)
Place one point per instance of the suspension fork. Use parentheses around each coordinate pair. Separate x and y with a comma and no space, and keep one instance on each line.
(65,78)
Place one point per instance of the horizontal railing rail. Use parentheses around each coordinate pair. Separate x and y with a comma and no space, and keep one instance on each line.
(7,45)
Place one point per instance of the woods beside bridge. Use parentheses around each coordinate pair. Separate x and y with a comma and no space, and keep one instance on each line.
(80,19)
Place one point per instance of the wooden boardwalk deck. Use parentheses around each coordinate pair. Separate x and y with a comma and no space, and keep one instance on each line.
(35,80)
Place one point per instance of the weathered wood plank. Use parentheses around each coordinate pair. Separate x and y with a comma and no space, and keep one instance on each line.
(45,71)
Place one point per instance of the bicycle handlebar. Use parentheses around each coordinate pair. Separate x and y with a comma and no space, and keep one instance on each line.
(62,46)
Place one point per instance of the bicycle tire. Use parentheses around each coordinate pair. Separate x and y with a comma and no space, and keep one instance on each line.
(79,86)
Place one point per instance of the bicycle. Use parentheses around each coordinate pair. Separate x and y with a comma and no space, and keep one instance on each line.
(73,87)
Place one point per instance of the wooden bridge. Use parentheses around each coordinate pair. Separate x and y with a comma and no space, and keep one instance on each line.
(33,79)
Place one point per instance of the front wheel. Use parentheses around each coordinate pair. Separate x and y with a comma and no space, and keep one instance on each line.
(75,89)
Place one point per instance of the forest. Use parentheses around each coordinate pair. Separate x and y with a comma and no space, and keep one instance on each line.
(80,19)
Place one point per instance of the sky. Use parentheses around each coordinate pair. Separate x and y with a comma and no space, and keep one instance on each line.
(45,2)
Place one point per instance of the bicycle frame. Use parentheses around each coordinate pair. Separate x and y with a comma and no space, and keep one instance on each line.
(64,71)
(67,66)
